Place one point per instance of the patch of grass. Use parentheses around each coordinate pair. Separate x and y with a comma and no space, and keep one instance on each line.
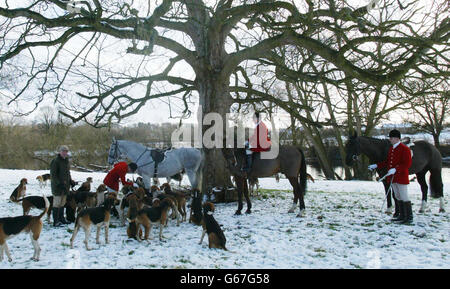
(320,250)
(333,226)
(245,236)
(419,234)
(184,261)
(131,252)
(320,256)
(271,193)
(356,266)
(112,226)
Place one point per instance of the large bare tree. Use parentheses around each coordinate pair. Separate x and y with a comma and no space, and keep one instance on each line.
(102,61)
(430,107)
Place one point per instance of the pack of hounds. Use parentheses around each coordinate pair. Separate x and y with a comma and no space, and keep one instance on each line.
(140,207)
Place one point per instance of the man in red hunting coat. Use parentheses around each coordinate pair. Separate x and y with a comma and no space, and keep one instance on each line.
(258,142)
(398,163)
(117,173)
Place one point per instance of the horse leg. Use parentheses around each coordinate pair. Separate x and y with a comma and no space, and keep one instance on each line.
(192,178)
(249,204)
(239,184)
(424,188)
(302,205)
(297,196)
(146,180)
(437,187)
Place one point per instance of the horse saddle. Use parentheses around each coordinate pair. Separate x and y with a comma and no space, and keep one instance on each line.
(158,156)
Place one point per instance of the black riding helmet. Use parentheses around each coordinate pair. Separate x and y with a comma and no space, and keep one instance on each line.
(132,166)
(394,133)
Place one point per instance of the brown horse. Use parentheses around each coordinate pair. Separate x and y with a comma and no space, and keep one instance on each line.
(425,158)
(290,162)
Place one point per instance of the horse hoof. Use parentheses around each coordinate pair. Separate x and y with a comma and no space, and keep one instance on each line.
(301,214)
(441,210)
(290,211)
(421,211)
(248,211)
(237,213)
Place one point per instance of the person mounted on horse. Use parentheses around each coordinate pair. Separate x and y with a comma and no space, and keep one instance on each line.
(258,142)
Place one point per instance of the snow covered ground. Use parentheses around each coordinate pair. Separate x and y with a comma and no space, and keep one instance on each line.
(344,228)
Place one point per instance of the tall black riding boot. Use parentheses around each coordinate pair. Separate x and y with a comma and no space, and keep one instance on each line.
(397,209)
(408,218)
(61,216)
(401,215)
(55,215)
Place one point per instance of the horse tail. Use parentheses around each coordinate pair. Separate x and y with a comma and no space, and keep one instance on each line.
(436,186)
(199,172)
(303,174)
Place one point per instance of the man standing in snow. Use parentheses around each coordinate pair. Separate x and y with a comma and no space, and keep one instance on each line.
(398,163)
(60,183)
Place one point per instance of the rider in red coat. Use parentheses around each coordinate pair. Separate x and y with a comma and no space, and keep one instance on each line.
(398,163)
(118,173)
(258,142)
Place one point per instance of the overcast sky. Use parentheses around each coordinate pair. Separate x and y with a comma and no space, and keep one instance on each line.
(155,111)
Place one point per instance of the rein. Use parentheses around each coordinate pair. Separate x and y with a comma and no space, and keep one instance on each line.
(117,152)
(145,150)
(387,192)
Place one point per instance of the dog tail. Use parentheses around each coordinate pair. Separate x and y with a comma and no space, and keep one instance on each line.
(47,205)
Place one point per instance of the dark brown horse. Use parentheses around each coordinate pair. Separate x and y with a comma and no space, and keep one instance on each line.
(426,158)
(290,162)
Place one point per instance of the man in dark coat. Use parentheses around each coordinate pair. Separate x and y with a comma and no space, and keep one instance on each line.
(61,182)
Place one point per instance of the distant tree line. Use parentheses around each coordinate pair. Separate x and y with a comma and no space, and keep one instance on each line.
(32,146)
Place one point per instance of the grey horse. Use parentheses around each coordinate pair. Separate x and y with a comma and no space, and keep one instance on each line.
(175,161)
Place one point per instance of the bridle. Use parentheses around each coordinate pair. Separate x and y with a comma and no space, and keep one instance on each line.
(115,156)
(117,153)
(355,156)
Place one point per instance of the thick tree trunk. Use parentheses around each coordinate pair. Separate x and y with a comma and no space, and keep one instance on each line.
(437,144)
(320,152)
(214,98)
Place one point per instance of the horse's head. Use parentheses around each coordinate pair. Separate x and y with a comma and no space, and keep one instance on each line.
(114,152)
(352,149)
